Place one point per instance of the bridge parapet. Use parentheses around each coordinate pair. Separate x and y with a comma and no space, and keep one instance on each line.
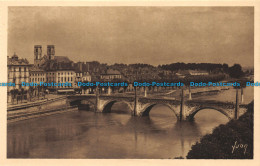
(205,103)
(118,98)
(159,101)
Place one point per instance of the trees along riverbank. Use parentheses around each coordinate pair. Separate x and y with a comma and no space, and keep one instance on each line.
(233,140)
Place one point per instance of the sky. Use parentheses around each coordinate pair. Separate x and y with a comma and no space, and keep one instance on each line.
(152,35)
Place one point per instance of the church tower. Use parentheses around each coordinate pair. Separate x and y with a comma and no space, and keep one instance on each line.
(37,55)
(50,51)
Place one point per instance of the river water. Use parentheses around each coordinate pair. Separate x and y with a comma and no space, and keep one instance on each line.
(85,134)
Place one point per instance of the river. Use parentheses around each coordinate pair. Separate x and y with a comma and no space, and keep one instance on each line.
(85,134)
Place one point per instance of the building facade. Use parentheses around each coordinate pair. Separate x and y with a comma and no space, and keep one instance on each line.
(37,75)
(62,77)
(110,74)
(81,77)
(65,76)
(18,72)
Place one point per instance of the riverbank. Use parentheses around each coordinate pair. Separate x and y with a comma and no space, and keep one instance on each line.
(175,93)
(36,114)
(27,104)
(233,140)
(39,108)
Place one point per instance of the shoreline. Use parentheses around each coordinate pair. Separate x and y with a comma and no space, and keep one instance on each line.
(38,109)
(37,114)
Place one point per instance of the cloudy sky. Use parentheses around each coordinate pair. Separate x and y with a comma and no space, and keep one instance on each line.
(153,35)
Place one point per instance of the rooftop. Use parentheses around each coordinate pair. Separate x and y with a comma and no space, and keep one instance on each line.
(111,72)
(14,60)
(62,59)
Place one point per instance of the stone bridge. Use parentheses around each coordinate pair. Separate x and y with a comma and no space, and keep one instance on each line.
(141,106)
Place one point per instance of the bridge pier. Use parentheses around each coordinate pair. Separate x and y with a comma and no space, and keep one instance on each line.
(190,94)
(134,113)
(145,92)
(182,105)
(236,106)
(109,90)
(97,106)
(242,96)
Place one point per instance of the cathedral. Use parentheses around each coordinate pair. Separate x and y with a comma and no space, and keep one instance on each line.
(51,68)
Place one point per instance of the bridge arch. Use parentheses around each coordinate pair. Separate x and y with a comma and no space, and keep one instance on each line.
(74,102)
(146,110)
(108,105)
(196,110)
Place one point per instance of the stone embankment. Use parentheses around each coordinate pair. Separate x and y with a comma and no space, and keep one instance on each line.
(37,109)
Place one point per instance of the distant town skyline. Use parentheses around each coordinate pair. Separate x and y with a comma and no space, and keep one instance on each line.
(151,35)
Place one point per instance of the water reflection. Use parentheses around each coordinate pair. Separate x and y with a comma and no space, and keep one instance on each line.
(91,135)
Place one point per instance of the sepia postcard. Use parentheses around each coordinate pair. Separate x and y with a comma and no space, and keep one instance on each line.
(129,83)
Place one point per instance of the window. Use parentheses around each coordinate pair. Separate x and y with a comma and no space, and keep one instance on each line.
(24,68)
(19,69)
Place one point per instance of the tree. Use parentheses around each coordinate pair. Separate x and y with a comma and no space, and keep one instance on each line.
(13,94)
(30,92)
(218,145)
(236,71)
(22,94)
(225,67)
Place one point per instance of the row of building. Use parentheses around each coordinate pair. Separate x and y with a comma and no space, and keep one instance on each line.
(60,69)
(48,68)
